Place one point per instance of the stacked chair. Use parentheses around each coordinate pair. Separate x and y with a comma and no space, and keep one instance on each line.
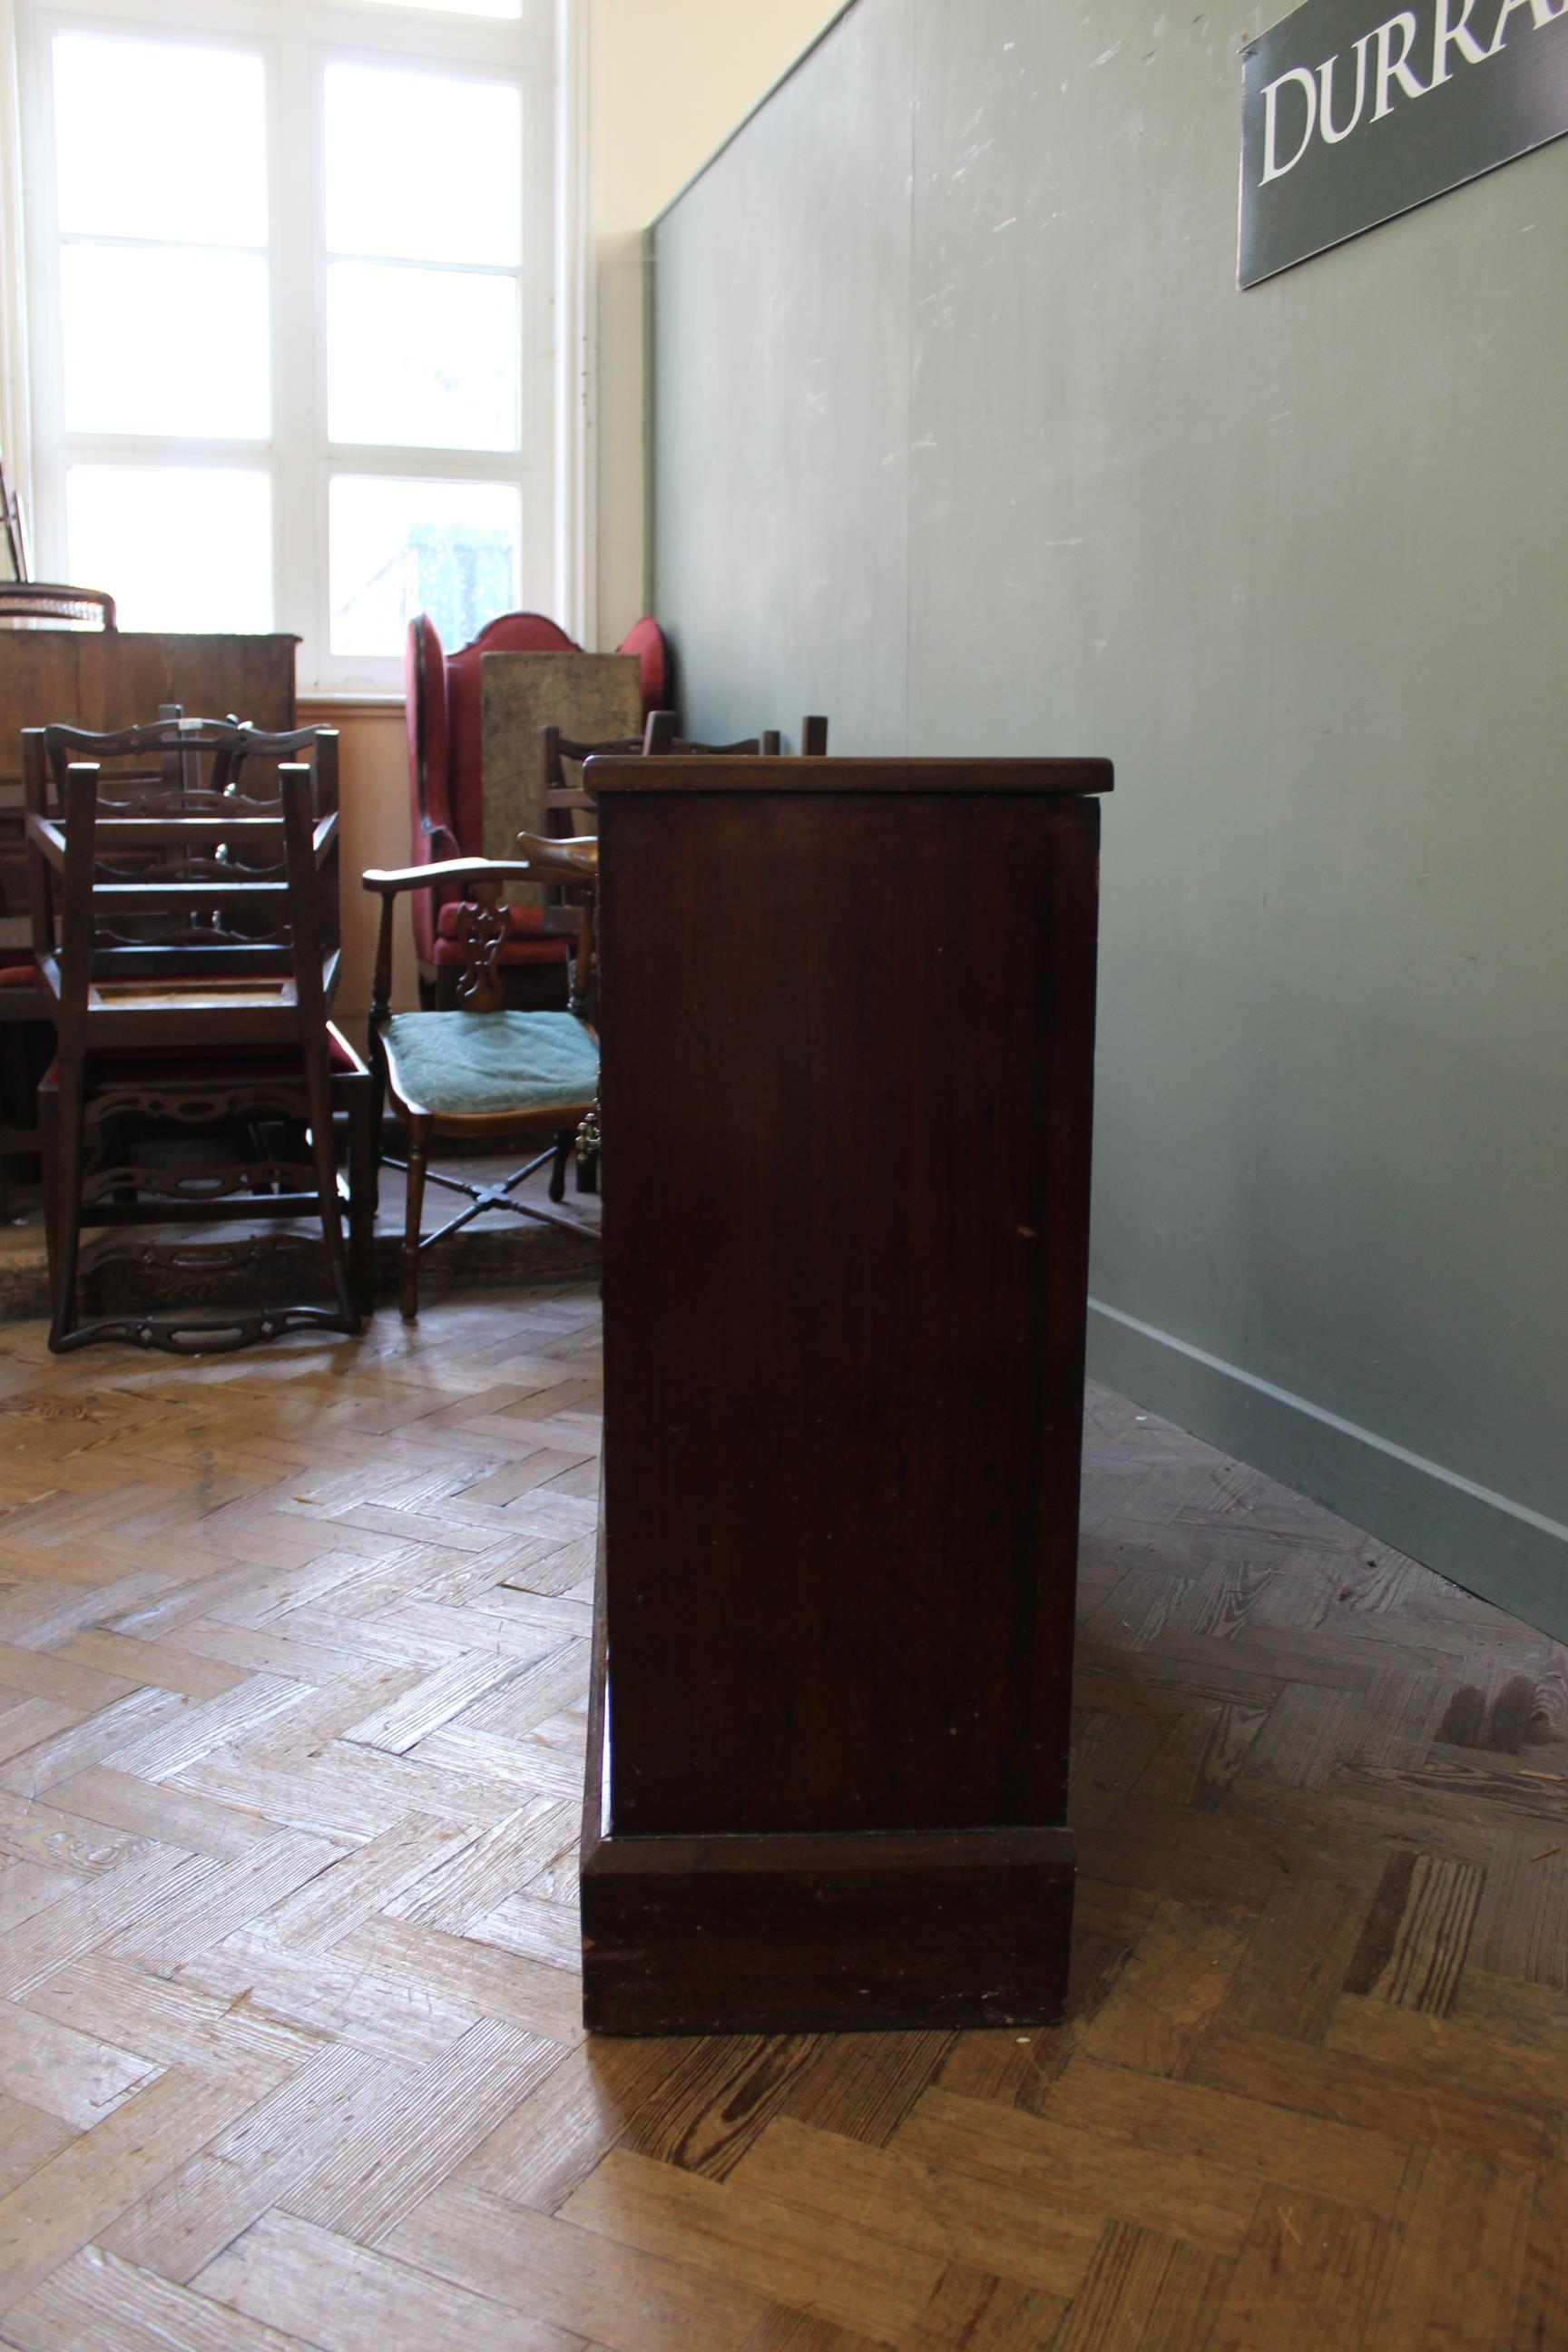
(182,882)
(26,604)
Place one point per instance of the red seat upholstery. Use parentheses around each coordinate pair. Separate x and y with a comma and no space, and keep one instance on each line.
(523,945)
(443,695)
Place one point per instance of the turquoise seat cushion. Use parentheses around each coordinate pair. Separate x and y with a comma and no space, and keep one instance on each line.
(474,1064)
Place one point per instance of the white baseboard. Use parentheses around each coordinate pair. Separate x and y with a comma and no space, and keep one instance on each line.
(1498,1548)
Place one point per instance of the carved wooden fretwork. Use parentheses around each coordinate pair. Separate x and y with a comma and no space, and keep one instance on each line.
(195,1107)
(191,1276)
(482,924)
(197,1184)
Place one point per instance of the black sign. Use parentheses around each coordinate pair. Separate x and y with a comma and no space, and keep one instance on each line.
(1350,115)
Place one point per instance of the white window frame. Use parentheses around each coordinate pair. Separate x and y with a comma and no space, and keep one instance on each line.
(541,55)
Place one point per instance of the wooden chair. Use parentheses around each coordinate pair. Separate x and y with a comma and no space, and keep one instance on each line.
(564,794)
(42,604)
(661,742)
(658,740)
(580,851)
(183,887)
(480,1073)
(562,760)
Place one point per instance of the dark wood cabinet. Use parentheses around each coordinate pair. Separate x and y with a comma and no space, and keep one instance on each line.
(847,1021)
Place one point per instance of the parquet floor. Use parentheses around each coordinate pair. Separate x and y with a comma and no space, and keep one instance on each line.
(291,1663)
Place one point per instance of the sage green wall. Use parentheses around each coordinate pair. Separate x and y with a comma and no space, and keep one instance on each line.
(964,434)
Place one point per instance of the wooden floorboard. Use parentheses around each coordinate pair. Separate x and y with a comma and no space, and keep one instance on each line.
(293,1654)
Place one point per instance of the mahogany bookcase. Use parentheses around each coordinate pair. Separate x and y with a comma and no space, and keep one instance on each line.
(848,1035)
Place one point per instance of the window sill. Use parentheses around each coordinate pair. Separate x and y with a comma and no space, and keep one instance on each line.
(314,705)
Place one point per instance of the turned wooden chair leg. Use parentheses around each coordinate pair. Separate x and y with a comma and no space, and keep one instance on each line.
(324,1160)
(48,1157)
(563,1143)
(13,1107)
(69,1112)
(418,1154)
(377,1116)
(362,1101)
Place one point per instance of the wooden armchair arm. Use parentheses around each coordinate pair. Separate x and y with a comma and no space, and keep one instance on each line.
(387,881)
(571,857)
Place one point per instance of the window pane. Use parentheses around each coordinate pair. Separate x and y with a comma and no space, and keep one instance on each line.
(180,547)
(152,137)
(449,548)
(142,328)
(422,167)
(426,358)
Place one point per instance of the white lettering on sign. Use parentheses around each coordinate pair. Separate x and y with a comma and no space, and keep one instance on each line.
(1299,106)
(1541,15)
(1394,68)
(1272,168)
(1332,133)
(1448,35)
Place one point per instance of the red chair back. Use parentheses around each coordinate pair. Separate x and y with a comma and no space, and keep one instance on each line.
(646,640)
(445,732)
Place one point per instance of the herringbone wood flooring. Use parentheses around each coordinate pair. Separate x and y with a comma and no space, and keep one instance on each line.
(291,1666)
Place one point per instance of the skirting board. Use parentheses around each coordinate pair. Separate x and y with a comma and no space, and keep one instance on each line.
(1492,1546)
(826,1933)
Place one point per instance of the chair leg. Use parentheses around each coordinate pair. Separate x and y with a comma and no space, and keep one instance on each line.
(377,1116)
(419,1153)
(363,1159)
(66,1116)
(49,1155)
(13,1112)
(563,1143)
(324,1160)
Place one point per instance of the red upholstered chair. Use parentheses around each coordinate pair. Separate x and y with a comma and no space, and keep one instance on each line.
(447,792)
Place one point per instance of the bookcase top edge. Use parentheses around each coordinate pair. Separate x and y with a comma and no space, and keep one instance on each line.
(705,772)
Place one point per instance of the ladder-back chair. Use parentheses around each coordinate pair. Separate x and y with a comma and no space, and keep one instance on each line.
(183,892)
(660,741)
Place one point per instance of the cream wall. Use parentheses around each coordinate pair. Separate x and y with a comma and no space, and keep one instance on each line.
(669,80)
(373,790)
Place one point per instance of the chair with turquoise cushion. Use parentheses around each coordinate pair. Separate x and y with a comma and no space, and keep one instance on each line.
(481,1073)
